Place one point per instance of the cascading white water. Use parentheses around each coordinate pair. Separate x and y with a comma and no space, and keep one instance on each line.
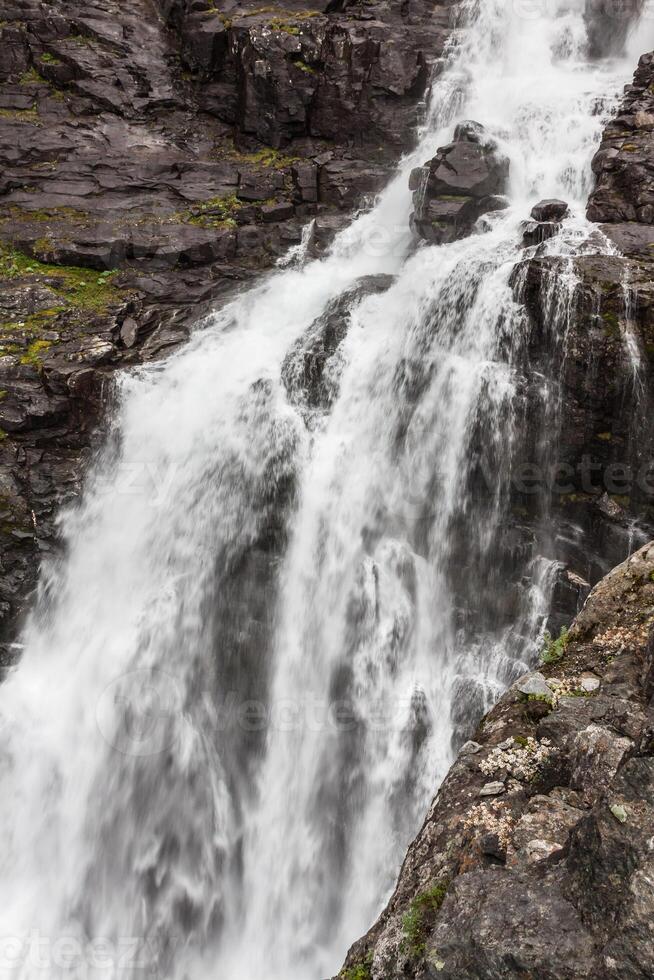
(240,686)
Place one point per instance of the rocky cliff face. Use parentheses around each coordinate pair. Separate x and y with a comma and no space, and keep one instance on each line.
(535,857)
(154,156)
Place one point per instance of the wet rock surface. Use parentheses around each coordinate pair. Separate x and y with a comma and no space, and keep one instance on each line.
(154,157)
(562,890)
(623,200)
(463,181)
(546,217)
(312,368)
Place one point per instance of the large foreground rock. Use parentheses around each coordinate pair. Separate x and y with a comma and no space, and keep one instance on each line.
(552,878)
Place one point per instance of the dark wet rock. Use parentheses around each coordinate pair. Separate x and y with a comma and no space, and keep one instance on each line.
(311,369)
(463,181)
(601,492)
(546,221)
(549,210)
(568,596)
(549,878)
(623,199)
(537,232)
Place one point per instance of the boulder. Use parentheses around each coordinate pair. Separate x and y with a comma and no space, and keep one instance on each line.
(547,876)
(465,179)
(549,210)
(534,685)
(546,221)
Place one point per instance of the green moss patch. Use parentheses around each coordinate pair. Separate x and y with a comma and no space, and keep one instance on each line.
(35,351)
(30,116)
(612,325)
(360,971)
(82,289)
(554,649)
(34,324)
(218,212)
(420,918)
(303,66)
(283,13)
(32,77)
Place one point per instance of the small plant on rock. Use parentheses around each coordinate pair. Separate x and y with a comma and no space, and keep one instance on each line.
(554,650)
(360,971)
(420,918)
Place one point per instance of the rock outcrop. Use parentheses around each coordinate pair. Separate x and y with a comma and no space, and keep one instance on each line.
(623,199)
(311,369)
(535,857)
(153,157)
(546,218)
(463,181)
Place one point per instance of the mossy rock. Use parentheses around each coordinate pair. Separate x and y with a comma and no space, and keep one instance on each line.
(79,288)
(420,918)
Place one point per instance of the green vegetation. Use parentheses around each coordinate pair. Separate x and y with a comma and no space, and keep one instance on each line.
(22,115)
(360,971)
(420,917)
(268,157)
(48,215)
(281,12)
(612,324)
(80,288)
(32,77)
(3,435)
(284,27)
(265,157)
(35,349)
(521,741)
(49,59)
(554,650)
(218,212)
(33,324)
(303,66)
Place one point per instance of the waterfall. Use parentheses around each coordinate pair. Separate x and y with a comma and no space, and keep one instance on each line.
(293,585)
